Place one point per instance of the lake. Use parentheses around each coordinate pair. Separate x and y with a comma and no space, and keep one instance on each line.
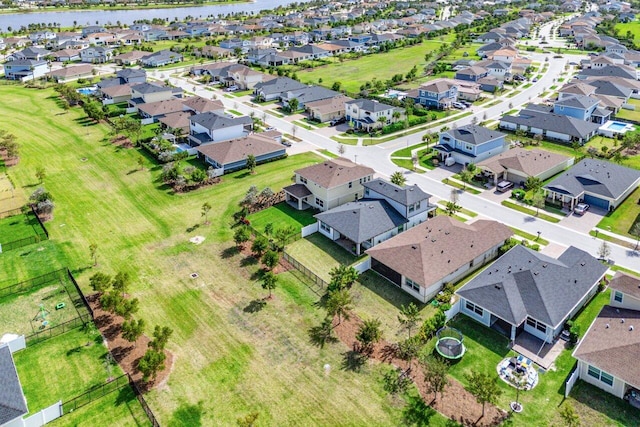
(66,18)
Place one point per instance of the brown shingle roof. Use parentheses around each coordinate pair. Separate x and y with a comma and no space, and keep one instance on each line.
(627,284)
(432,250)
(177,120)
(613,346)
(530,162)
(76,70)
(161,107)
(329,105)
(234,150)
(335,172)
(116,91)
(203,105)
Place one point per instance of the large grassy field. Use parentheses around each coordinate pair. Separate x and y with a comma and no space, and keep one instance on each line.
(18,227)
(353,73)
(229,361)
(634,27)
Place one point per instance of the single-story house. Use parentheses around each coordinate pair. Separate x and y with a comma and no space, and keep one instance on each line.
(526,291)
(115,94)
(152,111)
(517,164)
(130,58)
(601,184)
(231,155)
(442,250)
(160,58)
(537,121)
(71,73)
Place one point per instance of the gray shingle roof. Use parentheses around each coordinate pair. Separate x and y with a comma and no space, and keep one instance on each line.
(369,105)
(12,402)
(406,196)
(362,220)
(150,88)
(211,120)
(605,87)
(524,283)
(578,101)
(595,177)
(554,122)
(313,93)
(474,134)
(279,85)
(610,70)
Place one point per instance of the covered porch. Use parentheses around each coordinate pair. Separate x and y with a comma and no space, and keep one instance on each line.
(296,196)
(540,352)
(560,196)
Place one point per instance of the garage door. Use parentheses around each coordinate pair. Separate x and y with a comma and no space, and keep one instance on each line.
(596,202)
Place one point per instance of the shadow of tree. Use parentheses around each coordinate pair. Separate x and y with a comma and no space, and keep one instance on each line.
(353,361)
(255,306)
(322,334)
(229,252)
(417,412)
(248,261)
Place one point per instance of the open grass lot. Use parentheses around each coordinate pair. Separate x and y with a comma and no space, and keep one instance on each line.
(9,198)
(634,27)
(622,219)
(61,368)
(18,227)
(228,360)
(319,254)
(21,314)
(486,348)
(282,215)
(633,115)
(353,73)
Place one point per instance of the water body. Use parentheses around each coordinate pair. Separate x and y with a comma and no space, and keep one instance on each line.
(66,18)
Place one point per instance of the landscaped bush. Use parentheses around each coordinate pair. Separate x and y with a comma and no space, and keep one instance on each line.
(574,334)
(518,194)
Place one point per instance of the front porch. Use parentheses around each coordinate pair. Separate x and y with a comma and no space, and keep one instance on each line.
(296,196)
(540,352)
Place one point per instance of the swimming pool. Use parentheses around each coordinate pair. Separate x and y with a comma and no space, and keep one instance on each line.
(87,91)
(612,127)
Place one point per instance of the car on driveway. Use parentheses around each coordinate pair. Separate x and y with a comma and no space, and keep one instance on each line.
(458,105)
(339,121)
(580,208)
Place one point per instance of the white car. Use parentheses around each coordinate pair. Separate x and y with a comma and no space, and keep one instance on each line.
(232,88)
(581,208)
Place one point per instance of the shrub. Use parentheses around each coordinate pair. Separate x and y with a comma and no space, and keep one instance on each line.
(518,194)
(574,334)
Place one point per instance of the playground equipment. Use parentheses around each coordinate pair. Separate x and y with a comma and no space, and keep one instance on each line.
(449,343)
(42,314)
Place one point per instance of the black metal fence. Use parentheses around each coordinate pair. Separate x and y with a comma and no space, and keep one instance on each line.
(317,284)
(40,231)
(59,329)
(143,403)
(34,282)
(95,393)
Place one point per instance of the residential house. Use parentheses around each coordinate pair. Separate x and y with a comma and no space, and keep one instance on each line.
(367,114)
(115,94)
(608,351)
(71,73)
(212,127)
(580,107)
(160,58)
(540,121)
(273,89)
(439,93)
(609,71)
(472,74)
(91,29)
(442,250)
(329,109)
(518,164)
(576,89)
(309,93)
(25,69)
(35,53)
(385,211)
(470,144)
(129,58)
(601,184)
(66,55)
(96,54)
(490,84)
(151,112)
(231,155)
(13,404)
(132,75)
(198,105)
(150,92)
(526,292)
(328,184)
(244,77)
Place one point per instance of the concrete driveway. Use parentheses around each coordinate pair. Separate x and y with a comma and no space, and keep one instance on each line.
(584,223)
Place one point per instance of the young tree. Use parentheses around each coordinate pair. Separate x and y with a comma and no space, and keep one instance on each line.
(93,252)
(465,176)
(569,415)
(604,251)
(126,307)
(408,316)
(151,363)
(341,149)
(251,163)
(121,282)
(435,375)
(398,178)
(132,330)
(140,162)
(259,246)
(206,207)
(369,333)
(241,235)
(538,201)
(269,282)
(342,277)
(100,282)
(484,387)
(40,174)
(339,304)
(294,104)
(283,234)
(270,259)
(161,336)
(533,184)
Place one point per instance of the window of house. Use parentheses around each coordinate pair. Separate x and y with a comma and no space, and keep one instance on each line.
(350,184)
(400,228)
(366,190)
(600,375)
(418,205)
(325,227)
(411,284)
(412,208)
(617,296)
(468,147)
(537,325)
(320,202)
(303,180)
(474,308)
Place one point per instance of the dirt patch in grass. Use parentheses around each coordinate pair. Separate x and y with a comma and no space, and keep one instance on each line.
(456,403)
(122,141)
(127,354)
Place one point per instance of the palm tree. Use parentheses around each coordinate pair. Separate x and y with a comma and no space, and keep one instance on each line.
(339,304)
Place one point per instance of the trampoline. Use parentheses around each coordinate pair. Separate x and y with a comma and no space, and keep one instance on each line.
(449,344)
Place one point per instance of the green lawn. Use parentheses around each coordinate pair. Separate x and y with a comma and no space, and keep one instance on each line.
(406,152)
(61,368)
(231,359)
(529,211)
(319,254)
(353,73)
(406,164)
(633,27)
(633,115)
(622,219)
(281,215)
(19,227)
(328,153)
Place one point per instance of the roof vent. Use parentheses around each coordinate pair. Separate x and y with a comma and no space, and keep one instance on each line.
(631,328)
(497,287)
(583,263)
(575,280)
(442,251)
(413,247)
(621,320)
(544,265)
(449,262)
(606,326)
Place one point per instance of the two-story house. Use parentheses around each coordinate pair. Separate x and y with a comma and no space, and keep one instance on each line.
(439,93)
(608,351)
(213,127)
(579,107)
(25,69)
(472,74)
(96,54)
(328,184)
(470,144)
(367,114)
(385,210)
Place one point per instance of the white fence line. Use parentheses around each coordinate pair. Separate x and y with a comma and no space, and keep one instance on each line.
(455,309)
(44,416)
(363,265)
(309,229)
(570,382)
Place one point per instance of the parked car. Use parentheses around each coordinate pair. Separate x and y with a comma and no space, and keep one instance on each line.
(504,186)
(336,122)
(581,208)
(232,88)
(458,105)
(535,79)
(465,103)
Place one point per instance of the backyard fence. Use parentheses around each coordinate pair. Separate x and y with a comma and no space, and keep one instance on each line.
(59,329)
(570,382)
(317,284)
(143,403)
(95,393)
(34,282)
(79,293)
(41,232)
